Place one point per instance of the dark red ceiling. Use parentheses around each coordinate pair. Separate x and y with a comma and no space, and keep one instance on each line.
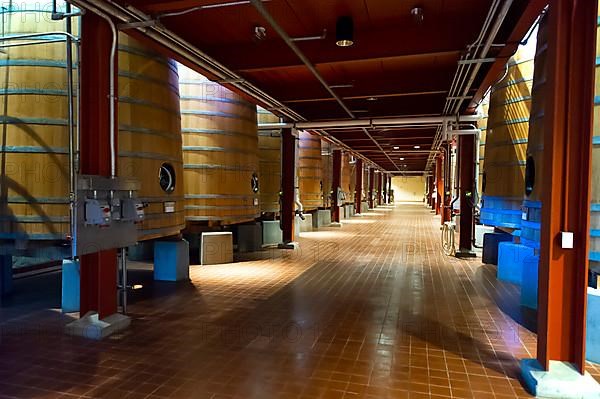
(407,66)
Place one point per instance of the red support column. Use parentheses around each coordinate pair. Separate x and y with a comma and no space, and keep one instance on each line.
(371,187)
(379,188)
(359,185)
(430,198)
(98,279)
(384,197)
(466,159)
(566,190)
(336,182)
(439,184)
(389,190)
(288,180)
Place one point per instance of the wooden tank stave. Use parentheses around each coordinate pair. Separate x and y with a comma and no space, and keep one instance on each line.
(535,182)
(269,156)
(506,143)
(310,171)
(220,151)
(482,125)
(594,251)
(327,165)
(532,205)
(149,135)
(348,177)
(34,146)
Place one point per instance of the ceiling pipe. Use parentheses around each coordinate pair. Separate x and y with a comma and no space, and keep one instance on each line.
(192,54)
(459,93)
(203,7)
(290,42)
(380,148)
(129,15)
(372,122)
(265,14)
(112,95)
(340,144)
(462,132)
(486,48)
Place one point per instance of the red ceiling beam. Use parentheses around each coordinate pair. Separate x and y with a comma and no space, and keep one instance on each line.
(365,96)
(161,6)
(423,57)
(373,45)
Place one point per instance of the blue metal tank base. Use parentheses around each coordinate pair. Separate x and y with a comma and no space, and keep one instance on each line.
(70,286)
(511,258)
(490,246)
(501,212)
(171,260)
(592,338)
(5,275)
(529,282)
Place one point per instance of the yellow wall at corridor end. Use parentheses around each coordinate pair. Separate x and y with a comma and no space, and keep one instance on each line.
(408,188)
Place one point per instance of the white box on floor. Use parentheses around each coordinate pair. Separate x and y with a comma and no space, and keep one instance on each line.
(480,230)
(216,247)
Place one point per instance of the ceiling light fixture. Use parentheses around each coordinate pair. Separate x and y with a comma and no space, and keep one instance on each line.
(396,147)
(260,32)
(417,147)
(402,158)
(344,32)
(417,15)
(371,98)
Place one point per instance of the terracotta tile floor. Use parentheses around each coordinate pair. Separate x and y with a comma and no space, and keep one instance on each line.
(369,310)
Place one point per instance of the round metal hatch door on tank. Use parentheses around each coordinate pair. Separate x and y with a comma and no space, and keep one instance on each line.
(36,129)
(167,177)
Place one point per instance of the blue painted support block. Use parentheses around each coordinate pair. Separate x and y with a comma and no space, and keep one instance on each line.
(490,246)
(5,275)
(510,261)
(249,237)
(171,260)
(529,282)
(271,232)
(592,338)
(70,286)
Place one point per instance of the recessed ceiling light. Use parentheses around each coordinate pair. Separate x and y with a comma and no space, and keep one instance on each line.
(344,32)
(396,147)
(417,147)
(417,15)
(371,98)
(401,158)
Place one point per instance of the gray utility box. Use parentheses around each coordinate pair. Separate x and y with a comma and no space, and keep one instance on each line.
(272,233)
(249,237)
(322,218)
(107,213)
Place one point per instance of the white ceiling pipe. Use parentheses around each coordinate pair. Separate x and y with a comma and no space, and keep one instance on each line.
(129,14)
(462,132)
(360,123)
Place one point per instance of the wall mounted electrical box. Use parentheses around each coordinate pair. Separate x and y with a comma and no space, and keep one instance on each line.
(107,213)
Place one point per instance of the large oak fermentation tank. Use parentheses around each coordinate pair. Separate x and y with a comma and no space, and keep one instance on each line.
(534,176)
(34,148)
(220,153)
(269,159)
(310,171)
(348,177)
(506,143)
